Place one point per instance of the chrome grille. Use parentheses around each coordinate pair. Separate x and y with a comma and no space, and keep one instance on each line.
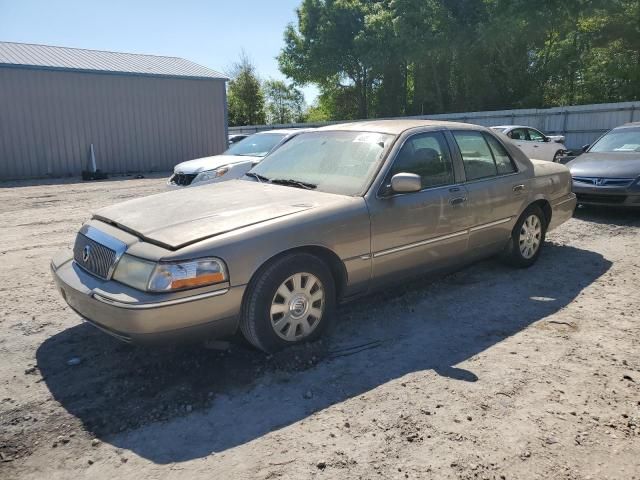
(605,182)
(93,257)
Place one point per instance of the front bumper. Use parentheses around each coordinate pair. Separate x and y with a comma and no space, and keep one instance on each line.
(139,317)
(608,196)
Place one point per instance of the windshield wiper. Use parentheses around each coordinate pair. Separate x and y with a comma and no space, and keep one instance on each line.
(257,176)
(293,183)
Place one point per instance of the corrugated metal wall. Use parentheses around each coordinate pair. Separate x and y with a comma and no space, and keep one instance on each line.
(49,119)
(580,124)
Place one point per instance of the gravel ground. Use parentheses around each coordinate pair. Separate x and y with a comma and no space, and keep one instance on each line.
(486,373)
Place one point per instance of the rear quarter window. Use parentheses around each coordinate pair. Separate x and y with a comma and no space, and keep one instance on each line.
(504,163)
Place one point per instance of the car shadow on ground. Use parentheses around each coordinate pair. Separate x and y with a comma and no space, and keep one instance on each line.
(618,216)
(192,402)
(36,182)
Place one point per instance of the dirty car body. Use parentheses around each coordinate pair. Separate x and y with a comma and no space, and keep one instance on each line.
(409,197)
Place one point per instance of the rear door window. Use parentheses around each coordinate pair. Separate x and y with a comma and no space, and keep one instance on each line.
(519,134)
(476,155)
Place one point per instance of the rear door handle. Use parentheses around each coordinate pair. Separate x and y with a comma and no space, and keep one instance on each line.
(457,201)
(518,188)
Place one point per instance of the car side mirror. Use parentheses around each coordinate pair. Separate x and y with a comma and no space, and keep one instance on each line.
(585,148)
(546,139)
(406,183)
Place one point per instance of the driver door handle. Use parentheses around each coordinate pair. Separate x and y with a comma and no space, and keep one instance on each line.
(457,201)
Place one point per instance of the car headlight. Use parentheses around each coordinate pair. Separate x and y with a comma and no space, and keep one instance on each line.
(134,271)
(210,174)
(169,276)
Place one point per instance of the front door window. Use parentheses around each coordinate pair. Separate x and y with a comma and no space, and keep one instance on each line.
(535,136)
(426,155)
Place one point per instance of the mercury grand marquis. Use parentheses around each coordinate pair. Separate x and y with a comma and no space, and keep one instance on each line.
(334,213)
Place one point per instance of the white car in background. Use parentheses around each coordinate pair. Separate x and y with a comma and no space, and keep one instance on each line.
(534,143)
(234,163)
(236,137)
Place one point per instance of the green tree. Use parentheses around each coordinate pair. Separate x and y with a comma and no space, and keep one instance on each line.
(285,103)
(317,113)
(373,58)
(593,55)
(330,47)
(244,95)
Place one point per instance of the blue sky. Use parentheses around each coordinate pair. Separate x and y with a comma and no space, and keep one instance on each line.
(211,33)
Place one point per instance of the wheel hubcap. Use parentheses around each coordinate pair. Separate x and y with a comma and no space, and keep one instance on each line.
(530,236)
(297,306)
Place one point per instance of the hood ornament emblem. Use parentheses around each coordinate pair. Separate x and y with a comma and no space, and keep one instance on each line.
(86,253)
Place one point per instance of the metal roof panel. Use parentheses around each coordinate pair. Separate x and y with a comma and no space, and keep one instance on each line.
(77,59)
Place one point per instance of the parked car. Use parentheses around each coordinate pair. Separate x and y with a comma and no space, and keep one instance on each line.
(234,163)
(534,143)
(235,138)
(332,214)
(608,172)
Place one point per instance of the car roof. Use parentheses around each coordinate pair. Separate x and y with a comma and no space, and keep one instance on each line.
(396,127)
(513,126)
(286,131)
(629,125)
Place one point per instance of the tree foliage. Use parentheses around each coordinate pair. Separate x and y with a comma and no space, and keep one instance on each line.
(401,57)
(245,96)
(285,103)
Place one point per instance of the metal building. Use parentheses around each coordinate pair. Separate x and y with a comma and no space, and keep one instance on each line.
(141,112)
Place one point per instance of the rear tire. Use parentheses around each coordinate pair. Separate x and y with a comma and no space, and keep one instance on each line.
(290,301)
(527,238)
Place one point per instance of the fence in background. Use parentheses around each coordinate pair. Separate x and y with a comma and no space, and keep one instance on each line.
(580,124)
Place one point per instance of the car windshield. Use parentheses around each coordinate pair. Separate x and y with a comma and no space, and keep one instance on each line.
(257,145)
(622,140)
(341,162)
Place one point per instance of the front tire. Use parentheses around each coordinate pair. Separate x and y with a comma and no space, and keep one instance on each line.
(527,238)
(290,301)
(557,156)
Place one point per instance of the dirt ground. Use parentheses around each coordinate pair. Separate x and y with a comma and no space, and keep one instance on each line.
(486,373)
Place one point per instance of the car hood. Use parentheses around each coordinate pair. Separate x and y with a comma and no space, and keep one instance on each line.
(606,165)
(179,218)
(209,163)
